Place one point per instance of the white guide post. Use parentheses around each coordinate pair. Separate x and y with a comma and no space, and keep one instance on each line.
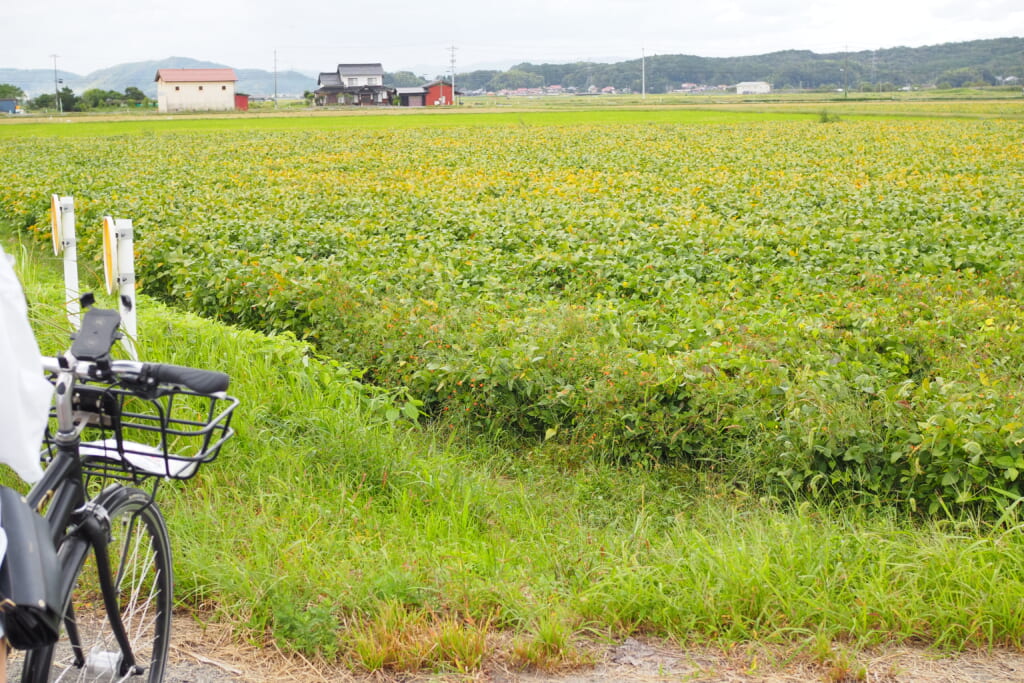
(62,231)
(119,270)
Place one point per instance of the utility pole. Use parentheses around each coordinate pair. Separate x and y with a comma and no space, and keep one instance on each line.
(452,48)
(275,78)
(846,73)
(874,69)
(643,74)
(56,86)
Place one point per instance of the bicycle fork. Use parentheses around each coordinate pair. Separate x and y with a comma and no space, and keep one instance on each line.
(93,524)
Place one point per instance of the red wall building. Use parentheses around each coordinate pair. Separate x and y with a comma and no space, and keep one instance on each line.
(439,93)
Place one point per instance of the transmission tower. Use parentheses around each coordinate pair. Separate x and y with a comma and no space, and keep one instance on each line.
(452,50)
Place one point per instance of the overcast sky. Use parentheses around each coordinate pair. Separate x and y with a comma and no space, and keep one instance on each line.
(315,35)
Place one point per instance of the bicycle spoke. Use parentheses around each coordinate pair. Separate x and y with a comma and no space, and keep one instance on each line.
(140,566)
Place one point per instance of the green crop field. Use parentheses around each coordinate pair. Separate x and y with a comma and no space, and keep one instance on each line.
(685,372)
(820,308)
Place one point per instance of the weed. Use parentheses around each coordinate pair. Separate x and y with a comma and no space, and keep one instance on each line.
(410,640)
(548,646)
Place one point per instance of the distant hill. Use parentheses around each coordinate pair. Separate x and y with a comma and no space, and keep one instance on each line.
(141,75)
(991,62)
(995,61)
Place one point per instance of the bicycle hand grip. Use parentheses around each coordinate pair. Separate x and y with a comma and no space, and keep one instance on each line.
(200,381)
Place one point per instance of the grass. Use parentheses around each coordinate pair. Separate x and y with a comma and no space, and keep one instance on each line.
(493,111)
(328,530)
(75,126)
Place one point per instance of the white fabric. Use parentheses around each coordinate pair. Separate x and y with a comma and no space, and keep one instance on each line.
(3,553)
(25,394)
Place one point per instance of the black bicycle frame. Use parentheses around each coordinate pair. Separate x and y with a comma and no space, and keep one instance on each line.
(62,486)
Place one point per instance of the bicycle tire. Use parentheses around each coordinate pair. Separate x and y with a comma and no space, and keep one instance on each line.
(140,559)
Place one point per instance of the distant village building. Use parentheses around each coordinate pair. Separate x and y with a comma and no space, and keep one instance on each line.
(361,84)
(412,96)
(753,88)
(435,93)
(195,90)
(440,93)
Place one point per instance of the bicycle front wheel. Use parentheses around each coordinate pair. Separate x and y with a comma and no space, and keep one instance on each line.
(140,564)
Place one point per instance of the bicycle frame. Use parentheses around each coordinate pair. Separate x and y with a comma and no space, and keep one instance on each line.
(62,487)
(119,423)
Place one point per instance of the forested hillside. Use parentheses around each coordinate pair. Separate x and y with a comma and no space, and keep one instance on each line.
(989,62)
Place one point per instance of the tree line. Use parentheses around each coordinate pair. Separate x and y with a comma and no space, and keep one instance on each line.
(94,98)
(952,65)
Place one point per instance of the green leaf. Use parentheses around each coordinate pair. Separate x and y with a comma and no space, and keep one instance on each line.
(974,448)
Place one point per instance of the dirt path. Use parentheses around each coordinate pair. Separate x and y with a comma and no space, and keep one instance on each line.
(631,661)
(211,655)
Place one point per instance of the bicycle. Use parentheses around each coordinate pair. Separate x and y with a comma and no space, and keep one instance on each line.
(152,422)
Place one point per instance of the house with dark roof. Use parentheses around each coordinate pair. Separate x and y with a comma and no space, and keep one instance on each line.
(353,84)
(195,89)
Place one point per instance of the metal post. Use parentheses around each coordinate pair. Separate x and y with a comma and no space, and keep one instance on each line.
(126,285)
(63,225)
(119,267)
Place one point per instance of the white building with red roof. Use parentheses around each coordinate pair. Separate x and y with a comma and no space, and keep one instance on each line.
(195,90)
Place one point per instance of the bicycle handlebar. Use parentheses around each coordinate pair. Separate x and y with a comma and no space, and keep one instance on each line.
(200,381)
(148,375)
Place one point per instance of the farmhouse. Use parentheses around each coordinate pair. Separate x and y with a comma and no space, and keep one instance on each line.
(353,84)
(753,88)
(195,89)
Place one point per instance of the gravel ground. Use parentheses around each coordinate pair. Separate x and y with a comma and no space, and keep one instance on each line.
(209,656)
(636,660)
(183,666)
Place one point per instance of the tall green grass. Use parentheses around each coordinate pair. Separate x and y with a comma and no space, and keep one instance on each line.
(332,531)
